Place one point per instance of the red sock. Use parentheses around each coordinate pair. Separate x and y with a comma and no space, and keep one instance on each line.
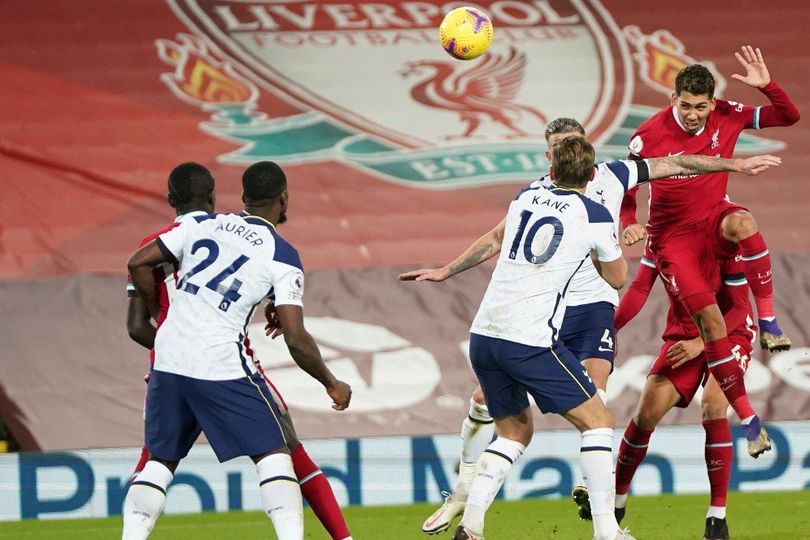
(726,371)
(141,462)
(758,273)
(316,490)
(719,452)
(632,450)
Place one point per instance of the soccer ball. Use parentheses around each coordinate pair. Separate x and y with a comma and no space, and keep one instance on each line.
(466,33)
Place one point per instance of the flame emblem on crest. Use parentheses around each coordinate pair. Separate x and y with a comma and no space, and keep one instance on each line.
(661,56)
(200,78)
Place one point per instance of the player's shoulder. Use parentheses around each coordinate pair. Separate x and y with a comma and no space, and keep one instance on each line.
(646,135)
(596,212)
(543,182)
(284,252)
(148,238)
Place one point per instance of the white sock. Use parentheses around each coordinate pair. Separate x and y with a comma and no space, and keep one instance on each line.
(145,500)
(747,420)
(281,496)
(621,500)
(493,465)
(602,395)
(596,460)
(477,431)
(718,512)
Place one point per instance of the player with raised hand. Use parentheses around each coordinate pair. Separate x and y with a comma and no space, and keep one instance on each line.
(587,328)
(675,377)
(698,123)
(202,379)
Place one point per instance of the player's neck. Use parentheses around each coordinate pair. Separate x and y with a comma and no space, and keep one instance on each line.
(267,213)
(580,190)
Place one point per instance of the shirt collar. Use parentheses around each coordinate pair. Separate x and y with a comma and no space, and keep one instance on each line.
(256,219)
(188,215)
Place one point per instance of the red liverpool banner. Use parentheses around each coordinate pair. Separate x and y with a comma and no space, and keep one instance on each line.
(398,156)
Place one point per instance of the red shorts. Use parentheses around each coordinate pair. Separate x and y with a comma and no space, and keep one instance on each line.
(688,377)
(687,258)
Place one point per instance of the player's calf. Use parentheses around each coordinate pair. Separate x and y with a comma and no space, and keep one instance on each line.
(281,496)
(145,500)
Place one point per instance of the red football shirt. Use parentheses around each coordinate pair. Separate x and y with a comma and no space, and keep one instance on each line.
(165,278)
(687,199)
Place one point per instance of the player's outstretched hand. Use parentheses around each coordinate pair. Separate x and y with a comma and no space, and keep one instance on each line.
(756,72)
(754,165)
(633,234)
(684,351)
(425,274)
(341,394)
(273,327)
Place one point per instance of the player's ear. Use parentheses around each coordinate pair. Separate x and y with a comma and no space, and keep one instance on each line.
(548,155)
(593,174)
(212,199)
(171,200)
(284,199)
(712,103)
(674,99)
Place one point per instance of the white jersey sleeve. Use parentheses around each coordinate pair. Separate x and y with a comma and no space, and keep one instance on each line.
(629,172)
(172,242)
(288,275)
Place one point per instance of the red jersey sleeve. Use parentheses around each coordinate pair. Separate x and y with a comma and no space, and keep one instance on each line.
(638,292)
(781,112)
(734,116)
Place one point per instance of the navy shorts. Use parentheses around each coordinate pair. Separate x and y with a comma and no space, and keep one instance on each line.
(508,370)
(239,417)
(587,331)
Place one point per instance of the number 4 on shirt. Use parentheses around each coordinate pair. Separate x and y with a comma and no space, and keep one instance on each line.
(229,294)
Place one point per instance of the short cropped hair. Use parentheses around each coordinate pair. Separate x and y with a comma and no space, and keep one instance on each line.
(572,161)
(695,79)
(563,125)
(262,182)
(189,183)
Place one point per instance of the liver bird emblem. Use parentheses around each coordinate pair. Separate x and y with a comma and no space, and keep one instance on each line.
(481,93)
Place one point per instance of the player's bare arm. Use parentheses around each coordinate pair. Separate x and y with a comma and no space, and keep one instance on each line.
(614,272)
(139,323)
(697,164)
(140,266)
(479,251)
(756,72)
(305,352)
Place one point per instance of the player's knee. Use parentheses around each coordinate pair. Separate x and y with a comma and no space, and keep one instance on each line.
(713,411)
(647,418)
(739,226)
(713,406)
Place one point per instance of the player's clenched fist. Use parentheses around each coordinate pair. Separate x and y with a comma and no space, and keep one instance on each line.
(633,233)
(273,326)
(341,394)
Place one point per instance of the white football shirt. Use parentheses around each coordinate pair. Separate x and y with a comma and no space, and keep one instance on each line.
(227,264)
(607,188)
(549,235)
